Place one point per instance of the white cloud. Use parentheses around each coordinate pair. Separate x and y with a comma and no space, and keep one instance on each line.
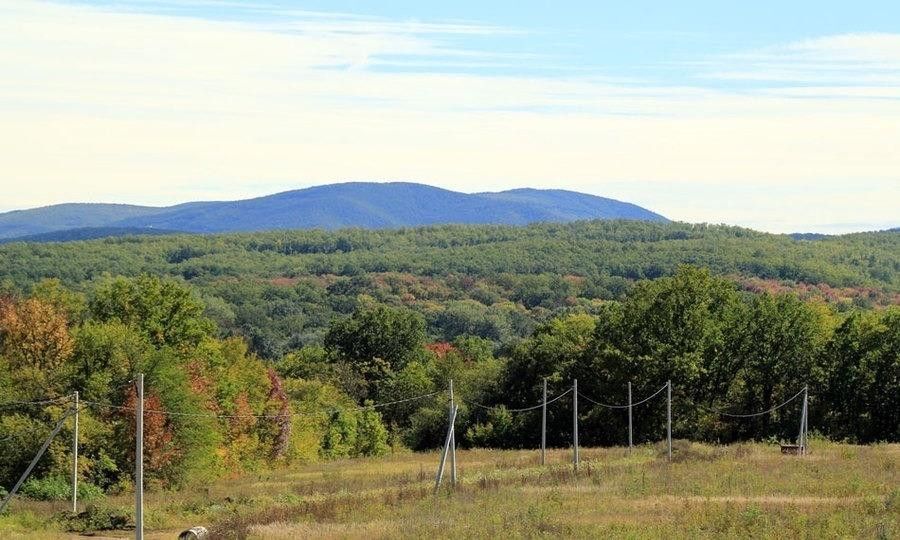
(852,59)
(136,107)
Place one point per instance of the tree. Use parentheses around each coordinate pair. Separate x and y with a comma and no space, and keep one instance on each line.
(377,339)
(165,311)
(35,339)
(863,393)
(773,349)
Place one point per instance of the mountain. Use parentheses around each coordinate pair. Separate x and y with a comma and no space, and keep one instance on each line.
(353,204)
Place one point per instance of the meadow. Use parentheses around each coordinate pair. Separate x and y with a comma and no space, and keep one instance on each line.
(740,490)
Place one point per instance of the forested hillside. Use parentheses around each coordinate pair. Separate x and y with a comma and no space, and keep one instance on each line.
(280,290)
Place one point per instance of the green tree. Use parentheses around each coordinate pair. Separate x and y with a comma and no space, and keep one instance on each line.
(165,311)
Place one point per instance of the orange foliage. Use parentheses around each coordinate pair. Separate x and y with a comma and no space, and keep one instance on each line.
(440,348)
(34,334)
(159,447)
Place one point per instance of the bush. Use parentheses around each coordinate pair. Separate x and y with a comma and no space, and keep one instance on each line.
(371,435)
(58,488)
(98,518)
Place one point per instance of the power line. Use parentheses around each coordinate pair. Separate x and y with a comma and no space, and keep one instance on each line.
(258,416)
(610,406)
(524,409)
(750,415)
(10,404)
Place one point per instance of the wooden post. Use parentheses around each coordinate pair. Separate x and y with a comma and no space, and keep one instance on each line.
(629,418)
(452,438)
(669,417)
(75,460)
(139,461)
(544,426)
(575,425)
(440,472)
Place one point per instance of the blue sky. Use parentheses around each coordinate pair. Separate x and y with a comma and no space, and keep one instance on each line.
(781,116)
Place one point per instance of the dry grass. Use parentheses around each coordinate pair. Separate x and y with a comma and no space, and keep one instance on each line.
(707,491)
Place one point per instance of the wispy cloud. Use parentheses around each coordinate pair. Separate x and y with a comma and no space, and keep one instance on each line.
(847,59)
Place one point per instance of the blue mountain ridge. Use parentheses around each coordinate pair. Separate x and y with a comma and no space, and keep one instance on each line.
(352,204)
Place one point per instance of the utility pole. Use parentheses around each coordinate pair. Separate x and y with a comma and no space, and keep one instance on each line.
(452,437)
(440,472)
(34,461)
(629,419)
(544,426)
(803,420)
(669,417)
(139,461)
(75,460)
(575,426)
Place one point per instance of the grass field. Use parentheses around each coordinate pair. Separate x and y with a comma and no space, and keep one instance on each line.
(745,490)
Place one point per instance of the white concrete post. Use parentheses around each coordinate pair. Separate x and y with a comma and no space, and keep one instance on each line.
(544,427)
(575,425)
(139,461)
(669,417)
(75,459)
(629,419)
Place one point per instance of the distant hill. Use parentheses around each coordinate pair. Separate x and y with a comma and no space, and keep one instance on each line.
(354,204)
(87,233)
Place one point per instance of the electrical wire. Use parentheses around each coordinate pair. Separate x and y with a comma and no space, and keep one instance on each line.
(524,409)
(609,406)
(751,415)
(259,416)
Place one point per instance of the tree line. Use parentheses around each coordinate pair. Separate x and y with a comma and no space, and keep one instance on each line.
(216,408)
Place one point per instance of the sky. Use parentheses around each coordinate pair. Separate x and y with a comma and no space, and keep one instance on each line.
(780,116)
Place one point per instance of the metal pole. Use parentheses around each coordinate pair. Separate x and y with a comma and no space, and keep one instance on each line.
(575,425)
(139,461)
(75,460)
(452,438)
(629,419)
(544,426)
(669,417)
(440,472)
(34,461)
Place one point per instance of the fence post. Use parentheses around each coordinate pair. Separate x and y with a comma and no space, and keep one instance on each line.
(452,438)
(75,460)
(139,461)
(669,417)
(544,426)
(629,419)
(440,472)
(575,426)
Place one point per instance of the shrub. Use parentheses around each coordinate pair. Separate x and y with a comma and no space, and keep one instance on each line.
(97,518)
(59,488)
